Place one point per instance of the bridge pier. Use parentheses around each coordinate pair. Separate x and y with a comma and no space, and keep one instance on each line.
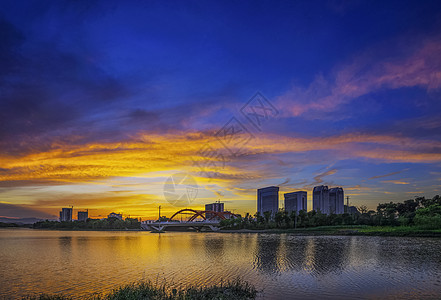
(214,228)
(158,228)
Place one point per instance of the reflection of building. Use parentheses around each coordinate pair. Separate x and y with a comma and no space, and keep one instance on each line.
(216,206)
(296,201)
(83,215)
(66,214)
(334,259)
(280,254)
(328,201)
(336,200)
(267,254)
(114,215)
(268,199)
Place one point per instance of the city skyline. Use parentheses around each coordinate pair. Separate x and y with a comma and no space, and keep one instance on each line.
(99,110)
(293,201)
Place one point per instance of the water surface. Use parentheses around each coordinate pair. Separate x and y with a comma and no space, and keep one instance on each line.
(283,266)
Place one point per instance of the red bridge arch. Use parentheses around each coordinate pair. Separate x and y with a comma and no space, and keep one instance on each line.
(201,213)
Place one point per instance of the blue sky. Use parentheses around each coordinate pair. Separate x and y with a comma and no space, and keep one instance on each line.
(356,84)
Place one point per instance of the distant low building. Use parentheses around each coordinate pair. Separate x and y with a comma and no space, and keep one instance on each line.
(352,210)
(83,215)
(296,201)
(268,200)
(115,215)
(66,214)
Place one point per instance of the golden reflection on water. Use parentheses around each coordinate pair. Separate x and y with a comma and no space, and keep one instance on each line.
(284,266)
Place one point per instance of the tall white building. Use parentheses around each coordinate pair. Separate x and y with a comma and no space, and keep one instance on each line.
(83,215)
(66,214)
(320,199)
(216,206)
(328,201)
(268,199)
(336,200)
(296,201)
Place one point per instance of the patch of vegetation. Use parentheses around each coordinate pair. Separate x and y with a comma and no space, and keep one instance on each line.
(47,297)
(400,231)
(146,290)
(2,224)
(414,216)
(91,224)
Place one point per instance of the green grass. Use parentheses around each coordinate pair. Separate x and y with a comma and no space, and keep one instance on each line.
(370,230)
(146,290)
(47,297)
(332,228)
(319,230)
(357,230)
(399,231)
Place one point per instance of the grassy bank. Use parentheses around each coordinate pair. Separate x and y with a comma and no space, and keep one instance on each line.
(399,231)
(236,289)
(362,230)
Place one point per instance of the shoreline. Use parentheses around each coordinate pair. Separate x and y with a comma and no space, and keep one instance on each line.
(345,231)
(312,231)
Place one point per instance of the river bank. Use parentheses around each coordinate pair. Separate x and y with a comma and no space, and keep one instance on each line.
(347,230)
(350,230)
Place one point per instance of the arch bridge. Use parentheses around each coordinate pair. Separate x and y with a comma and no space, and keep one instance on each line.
(210,219)
(222,215)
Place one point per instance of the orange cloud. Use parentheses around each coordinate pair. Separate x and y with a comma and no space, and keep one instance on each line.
(395,181)
(389,174)
(150,155)
(179,151)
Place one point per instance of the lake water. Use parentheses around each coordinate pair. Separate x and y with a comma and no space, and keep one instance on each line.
(283,266)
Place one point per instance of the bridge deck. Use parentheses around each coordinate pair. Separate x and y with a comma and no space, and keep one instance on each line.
(159,226)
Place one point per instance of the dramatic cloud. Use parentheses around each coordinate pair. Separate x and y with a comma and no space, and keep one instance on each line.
(419,65)
(387,175)
(151,152)
(319,178)
(395,181)
(98,109)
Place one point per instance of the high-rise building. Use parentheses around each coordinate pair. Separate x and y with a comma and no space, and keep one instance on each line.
(336,200)
(216,206)
(296,201)
(268,199)
(83,215)
(320,199)
(66,214)
(328,201)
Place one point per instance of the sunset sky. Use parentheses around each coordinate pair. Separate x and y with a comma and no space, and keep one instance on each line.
(102,101)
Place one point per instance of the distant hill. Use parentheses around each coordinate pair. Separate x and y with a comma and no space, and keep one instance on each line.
(20,220)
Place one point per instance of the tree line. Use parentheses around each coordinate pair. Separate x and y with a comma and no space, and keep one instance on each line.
(108,223)
(2,224)
(420,212)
